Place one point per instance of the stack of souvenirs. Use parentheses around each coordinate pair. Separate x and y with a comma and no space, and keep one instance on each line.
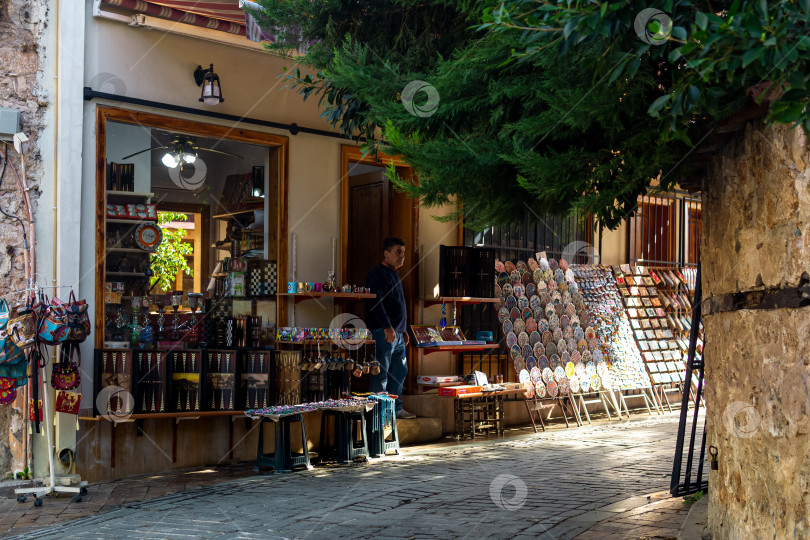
(565,329)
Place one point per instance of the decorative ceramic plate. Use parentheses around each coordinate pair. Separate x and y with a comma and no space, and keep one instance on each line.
(570,310)
(514,312)
(148,236)
(499,267)
(552,263)
(575,356)
(585,384)
(528,390)
(531,325)
(538,348)
(521,265)
(518,326)
(562,346)
(564,386)
(551,389)
(568,334)
(510,266)
(540,389)
(514,350)
(536,374)
(534,303)
(503,278)
(542,361)
(532,264)
(558,334)
(559,373)
(579,333)
(522,339)
(503,314)
(507,327)
(518,363)
(593,344)
(519,290)
(554,322)
(542,325)
(523,303)
(573,380)
(514,277)
(547,338)
(551,349)
(511,340)
(526,351)
(596,382)
(526,313)
(523,376)
(597,356)
(531,290)
(535,339)
(554,361)
(531,362)
(526,277)
(537,275)
(511,302)
(572,345)
(548,375)
(590,369)
(586,356)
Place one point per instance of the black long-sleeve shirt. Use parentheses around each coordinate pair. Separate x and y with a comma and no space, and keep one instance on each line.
(388,309)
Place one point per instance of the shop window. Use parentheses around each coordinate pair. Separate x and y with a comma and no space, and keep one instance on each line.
(692,232)
(189,221)
(652,231)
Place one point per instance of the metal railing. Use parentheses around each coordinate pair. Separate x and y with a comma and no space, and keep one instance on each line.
(665,230)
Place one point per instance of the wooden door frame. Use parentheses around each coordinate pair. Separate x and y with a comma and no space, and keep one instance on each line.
(205,227)
(193,127)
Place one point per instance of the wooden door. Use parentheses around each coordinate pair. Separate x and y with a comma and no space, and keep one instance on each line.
(369,213)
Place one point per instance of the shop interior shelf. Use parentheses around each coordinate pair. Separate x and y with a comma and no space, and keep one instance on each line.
(460,300)
(127,274)
(126,250)
(300,297)
(134,194)
(130,221)
(455,349)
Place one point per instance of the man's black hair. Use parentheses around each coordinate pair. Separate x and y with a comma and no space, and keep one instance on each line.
(392,241)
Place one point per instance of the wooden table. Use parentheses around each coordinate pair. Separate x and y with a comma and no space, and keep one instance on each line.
(481,411)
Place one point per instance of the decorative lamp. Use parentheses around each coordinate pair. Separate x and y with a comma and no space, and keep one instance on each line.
(211,88)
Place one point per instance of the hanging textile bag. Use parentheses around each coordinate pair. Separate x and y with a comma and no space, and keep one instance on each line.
(4,313)
(8,390)
(53,323)
(22,325)
(17,369)
(65,374)
(78,320)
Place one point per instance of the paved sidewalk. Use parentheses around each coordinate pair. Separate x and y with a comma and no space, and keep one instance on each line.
(584,483)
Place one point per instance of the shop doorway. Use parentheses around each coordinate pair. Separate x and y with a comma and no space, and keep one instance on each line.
(371,210)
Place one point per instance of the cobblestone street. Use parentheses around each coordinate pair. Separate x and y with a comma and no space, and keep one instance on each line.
(609,480)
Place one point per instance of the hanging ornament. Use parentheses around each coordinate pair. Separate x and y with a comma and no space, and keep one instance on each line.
(443,320)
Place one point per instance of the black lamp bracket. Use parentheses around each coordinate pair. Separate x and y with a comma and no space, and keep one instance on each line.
(199,74)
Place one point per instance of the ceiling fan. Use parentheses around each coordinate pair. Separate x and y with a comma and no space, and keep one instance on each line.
(181,150)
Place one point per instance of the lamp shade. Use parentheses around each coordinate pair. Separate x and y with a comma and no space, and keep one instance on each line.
(171,160)
(211,93)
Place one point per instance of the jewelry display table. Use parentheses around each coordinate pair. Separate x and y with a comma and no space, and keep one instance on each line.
(481,412)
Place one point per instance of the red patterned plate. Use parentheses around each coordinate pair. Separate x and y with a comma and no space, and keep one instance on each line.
(531,325)
(551,388)
(540,389)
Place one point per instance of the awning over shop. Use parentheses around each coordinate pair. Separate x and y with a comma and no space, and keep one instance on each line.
(222,15)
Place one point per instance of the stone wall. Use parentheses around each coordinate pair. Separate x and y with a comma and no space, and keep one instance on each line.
(756,223)
(22,29)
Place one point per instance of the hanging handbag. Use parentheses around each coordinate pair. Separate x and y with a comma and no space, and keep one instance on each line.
(22,326)
(65,374)
(4,313)
(78,320)
(53,323)
(16,370)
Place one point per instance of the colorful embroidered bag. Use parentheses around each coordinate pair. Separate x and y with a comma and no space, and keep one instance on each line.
(65,374)
(22,326)
(53,323)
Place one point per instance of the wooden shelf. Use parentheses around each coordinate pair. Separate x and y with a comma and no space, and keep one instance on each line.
(300,297)
(130,221)
(127,274)
(455,349)
(126,250)
(323,342)
(129,194)
(229,215)
(141,416)
(460,300)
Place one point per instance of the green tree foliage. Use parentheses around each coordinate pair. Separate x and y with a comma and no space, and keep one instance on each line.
(170,256)
(549,106)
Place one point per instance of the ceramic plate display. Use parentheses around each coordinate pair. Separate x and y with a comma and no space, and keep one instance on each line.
(575,356)
(562,346)
(551,389)
(552,263)
(509,266)
(526,313)
(535,339)
(534,302)
(590,369)
(539,349)
(536,374)
(522,339)
(568,334)
(531,290)
(553,321)
(511,340)
(528,390)
(514,350)
(148,236)
(523,376)
(514,312)
(514,277)
(531,362)
(519,290)
(558,334)
(507,326)
(597,356)
(542,361)
(511,303)
(523,302)
(545,298)
(542,325)
(521,265)
(526,277)
(551,348)
(537,275)
(531,325)
(506,290)
(547,337)
(565,358)
(570,370)
(547,374)
(550,311)
(585,384)
(518,326)
(559,373)
(564,322)
(572,345)
(554,361)
(586,356)
(540,389)
(564,386)
(573,380)
(532,264)
(526,351)
(593,344)
(596,382)
(503,314)
(503,278)
(579,334)
(519,363)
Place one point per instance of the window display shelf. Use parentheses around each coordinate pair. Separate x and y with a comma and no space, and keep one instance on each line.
(338,296)
(455,349)
(460,300)
(134,194)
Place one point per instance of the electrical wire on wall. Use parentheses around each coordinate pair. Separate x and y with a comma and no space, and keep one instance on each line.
(3,211)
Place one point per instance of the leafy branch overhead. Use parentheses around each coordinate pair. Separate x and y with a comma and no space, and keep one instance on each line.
(544,106)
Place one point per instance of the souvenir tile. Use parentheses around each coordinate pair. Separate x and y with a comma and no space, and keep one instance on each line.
(646,302)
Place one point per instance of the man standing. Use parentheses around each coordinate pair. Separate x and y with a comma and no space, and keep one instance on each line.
(388,320)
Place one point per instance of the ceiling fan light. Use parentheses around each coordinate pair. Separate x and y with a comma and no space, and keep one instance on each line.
(188,157)
(171,160)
